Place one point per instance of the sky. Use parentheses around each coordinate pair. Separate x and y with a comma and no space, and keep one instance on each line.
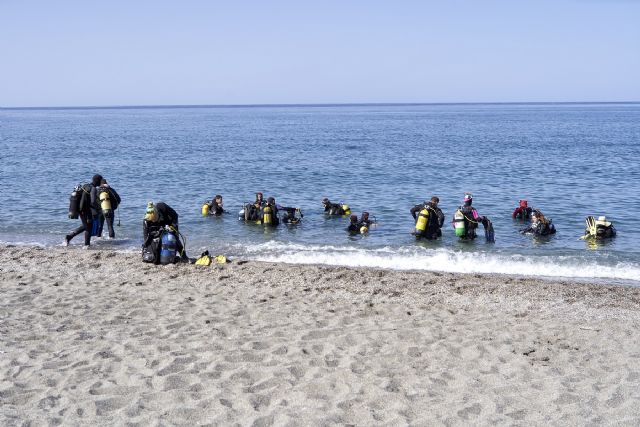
(90,53)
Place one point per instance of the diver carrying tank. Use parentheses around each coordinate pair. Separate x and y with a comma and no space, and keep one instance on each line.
(422,221)
(458,223)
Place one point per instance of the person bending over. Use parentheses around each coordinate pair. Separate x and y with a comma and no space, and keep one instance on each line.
(158,216)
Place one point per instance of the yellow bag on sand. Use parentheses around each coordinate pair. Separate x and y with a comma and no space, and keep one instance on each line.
(221,259)
(204,260)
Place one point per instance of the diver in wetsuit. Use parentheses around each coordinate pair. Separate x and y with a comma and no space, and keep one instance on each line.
(522,212)
(333,208)
(109,203)
(540,225)
(88,210)
(354,226)
(470,218)
(435,219)
(252,212)
(158,216)
(215,206)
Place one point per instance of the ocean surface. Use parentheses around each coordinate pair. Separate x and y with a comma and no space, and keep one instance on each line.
(569,160)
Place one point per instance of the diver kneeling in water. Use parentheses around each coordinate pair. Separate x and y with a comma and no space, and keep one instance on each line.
(354,225)
(289,216)
(213,206)
(429,219)
(156,218)
(252,212)
(522,212)
(540,225)
(466,219)
(600,229)
(360,226)
(336,209)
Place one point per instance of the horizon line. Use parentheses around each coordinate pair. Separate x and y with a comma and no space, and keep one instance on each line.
(345,104)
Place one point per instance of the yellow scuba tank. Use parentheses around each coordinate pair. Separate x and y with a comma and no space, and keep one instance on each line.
(364,229)
(346,209)
(266,215)
(458,223)
(421,223)
(105,203)
(205,209)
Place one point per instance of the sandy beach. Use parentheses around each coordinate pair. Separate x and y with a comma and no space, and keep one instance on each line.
(99,338)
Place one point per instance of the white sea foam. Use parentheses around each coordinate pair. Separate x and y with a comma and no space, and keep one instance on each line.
(446,260)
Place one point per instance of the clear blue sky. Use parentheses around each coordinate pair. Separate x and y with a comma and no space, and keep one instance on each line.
(69,53)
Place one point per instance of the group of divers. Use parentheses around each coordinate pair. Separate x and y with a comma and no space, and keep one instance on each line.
(95,203)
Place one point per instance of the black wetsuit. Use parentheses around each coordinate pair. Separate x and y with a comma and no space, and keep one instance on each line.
(354,228)
(89,208)
(289,216)
(166,216)
(215,208)
(471,220)
(522,212)
(435,222)
(333,209)
(109,215)
(540,229)
(253,212)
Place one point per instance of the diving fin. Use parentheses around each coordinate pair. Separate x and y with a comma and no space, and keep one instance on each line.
(488,231)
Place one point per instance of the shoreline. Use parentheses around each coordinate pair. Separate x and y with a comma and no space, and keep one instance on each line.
(98,337)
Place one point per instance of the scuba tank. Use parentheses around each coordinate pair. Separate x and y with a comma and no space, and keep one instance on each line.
(346,209)
(267,215)
(458,223)
(205,209)
(168,247)
(421,222)
(74,202)
(105,202)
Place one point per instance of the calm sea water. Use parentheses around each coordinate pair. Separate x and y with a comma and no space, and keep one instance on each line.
(570,161)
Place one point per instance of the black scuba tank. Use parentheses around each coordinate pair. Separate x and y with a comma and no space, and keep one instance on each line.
(74,202)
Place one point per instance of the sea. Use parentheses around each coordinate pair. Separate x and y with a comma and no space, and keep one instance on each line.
(568,160)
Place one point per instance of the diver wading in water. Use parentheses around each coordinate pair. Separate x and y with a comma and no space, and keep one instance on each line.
(523,211)
(335,209)
(84,204)
(466,220)
(109,202)
(540,225)
(429,219)
(213,206)
(599,229)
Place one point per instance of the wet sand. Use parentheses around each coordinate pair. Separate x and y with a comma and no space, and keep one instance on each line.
(99,338)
